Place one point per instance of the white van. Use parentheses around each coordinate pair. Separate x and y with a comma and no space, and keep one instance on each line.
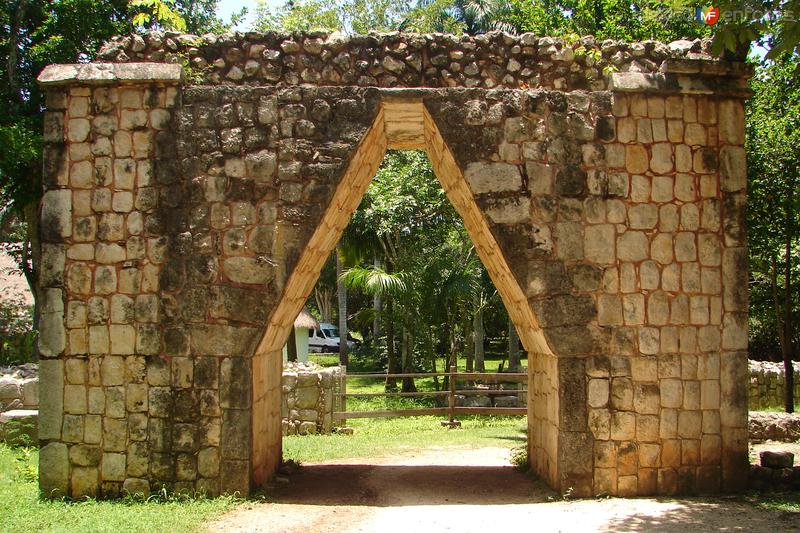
(325,339)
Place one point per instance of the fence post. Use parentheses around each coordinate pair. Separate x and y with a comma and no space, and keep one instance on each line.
(343,392)
(451,421)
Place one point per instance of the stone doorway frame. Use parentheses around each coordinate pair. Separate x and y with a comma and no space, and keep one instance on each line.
(403,124)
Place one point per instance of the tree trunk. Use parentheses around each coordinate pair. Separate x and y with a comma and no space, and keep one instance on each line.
(341,293)
(432,352)
(514,364)
(478,334)
(31,259)
(407,351)
(322,296)
(13,51)
(787,344)
(377,306)
(291,345)
(469,342)
(391,357)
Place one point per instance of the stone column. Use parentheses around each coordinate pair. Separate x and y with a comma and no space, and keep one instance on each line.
(102,378)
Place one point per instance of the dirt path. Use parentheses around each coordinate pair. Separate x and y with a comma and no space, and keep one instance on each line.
(466,490)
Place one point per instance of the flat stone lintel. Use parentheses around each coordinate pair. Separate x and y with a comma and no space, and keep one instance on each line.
(111,73)
(639,82)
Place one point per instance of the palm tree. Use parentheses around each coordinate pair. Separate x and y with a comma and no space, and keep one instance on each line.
(472,17)
(378,282)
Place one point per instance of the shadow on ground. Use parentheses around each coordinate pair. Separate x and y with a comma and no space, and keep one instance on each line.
(402,485)
(709,515)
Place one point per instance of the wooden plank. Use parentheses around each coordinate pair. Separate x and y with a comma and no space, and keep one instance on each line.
(395,394)
(499,411)
(491,392)
(493,377)
(496,411)
(391,413)
(403,119)
(384,376)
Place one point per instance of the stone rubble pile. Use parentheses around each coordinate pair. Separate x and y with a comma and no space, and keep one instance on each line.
(782,427)
(19,387)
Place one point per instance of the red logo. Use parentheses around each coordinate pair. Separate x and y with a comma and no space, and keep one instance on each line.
(711,15)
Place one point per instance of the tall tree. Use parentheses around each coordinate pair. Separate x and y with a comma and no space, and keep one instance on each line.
(341,295)
(513,347)
(773,135)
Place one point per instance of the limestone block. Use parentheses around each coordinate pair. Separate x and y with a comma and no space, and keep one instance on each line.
(113,467)
(51,399)
(731,122)
(598,392)
(139,488)
(632,246)
(493,177)
(56,215)
(671,393)
(54,470)
(623,425)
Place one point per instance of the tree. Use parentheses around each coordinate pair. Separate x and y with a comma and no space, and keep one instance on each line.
(773,24)
(774,202)
(33,35)
(350,16)
(341,294)
(608,19)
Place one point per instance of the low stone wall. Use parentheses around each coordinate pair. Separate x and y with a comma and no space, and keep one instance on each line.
(767,385)
(307,398)
(19,387)
(782,427)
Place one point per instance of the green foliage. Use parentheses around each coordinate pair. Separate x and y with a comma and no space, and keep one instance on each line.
(22,510)
(775,24)
(350,16)
(773,135)
(17,336)
(26,469)
(519,458)
(608,19)
(306,15)
(157,14)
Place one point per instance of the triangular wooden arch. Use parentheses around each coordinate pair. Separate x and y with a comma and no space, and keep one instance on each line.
(401,123)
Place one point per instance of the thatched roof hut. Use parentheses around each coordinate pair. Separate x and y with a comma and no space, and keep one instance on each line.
(305,320)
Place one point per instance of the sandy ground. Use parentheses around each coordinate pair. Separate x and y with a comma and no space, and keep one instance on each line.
(471,490)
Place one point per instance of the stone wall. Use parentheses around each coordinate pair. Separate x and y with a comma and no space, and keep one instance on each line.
(493,60)
(185,225)
(307,399)
(19,387)
(767,386)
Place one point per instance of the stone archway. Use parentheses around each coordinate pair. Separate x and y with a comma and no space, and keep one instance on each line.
(182,216)
(401,123)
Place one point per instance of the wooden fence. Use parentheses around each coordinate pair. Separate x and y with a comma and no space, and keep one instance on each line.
(341,414)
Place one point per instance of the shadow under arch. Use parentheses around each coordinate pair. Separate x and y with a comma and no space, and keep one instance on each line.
(401,123)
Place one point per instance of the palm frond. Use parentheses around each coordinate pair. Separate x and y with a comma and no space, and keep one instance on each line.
(373,280)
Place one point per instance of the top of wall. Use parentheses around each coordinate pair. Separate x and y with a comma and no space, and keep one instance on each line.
(493,60)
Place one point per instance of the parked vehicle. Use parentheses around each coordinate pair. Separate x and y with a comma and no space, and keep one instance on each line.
(325,339)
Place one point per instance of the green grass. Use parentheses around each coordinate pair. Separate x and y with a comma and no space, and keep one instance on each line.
(376,437)
(785,502)
(22,510)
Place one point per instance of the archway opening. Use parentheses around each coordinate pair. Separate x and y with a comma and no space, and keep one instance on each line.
(402,124)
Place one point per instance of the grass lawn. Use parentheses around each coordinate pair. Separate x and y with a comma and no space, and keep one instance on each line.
(386,436)
(21,510)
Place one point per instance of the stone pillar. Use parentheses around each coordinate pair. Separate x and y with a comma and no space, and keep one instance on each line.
(105,389)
